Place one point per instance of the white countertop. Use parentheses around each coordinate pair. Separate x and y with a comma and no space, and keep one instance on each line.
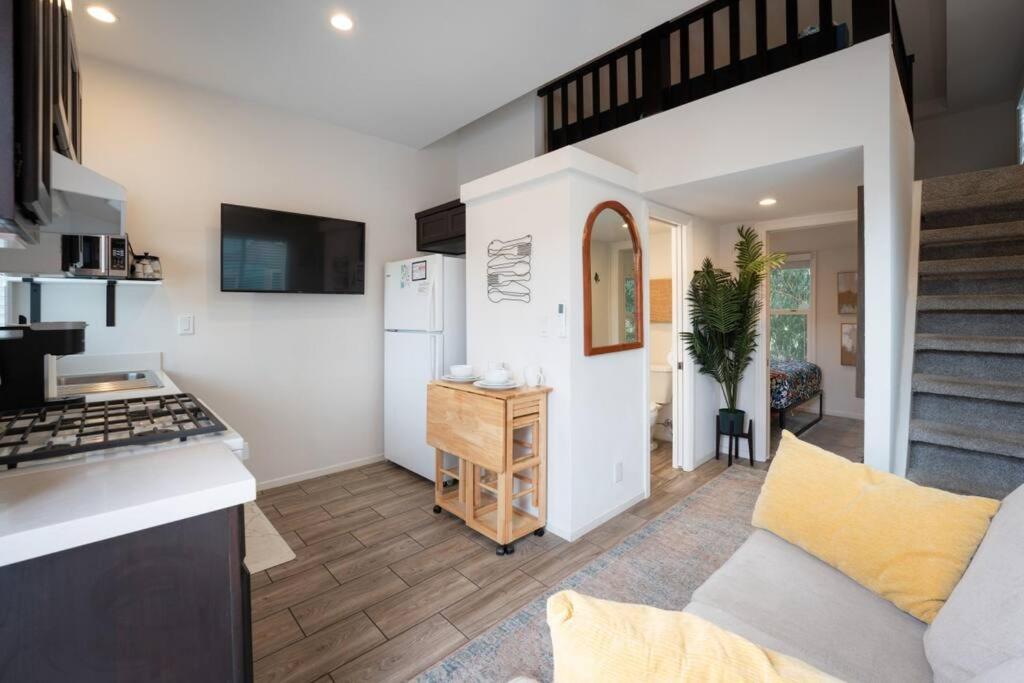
(46,511)
(62,503)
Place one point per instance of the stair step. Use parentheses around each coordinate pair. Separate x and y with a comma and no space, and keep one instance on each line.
(991,209)
(973,233)
(965,438)
(968,387)
(971,302)
(973,183)
(966,472)
(987,264)
(969,343)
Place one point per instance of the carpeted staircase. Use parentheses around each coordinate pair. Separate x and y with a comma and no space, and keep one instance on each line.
(967,420)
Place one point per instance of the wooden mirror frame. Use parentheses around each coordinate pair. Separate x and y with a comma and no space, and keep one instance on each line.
(588,342)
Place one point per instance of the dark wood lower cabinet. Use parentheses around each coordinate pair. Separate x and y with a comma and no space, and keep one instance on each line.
(169,603)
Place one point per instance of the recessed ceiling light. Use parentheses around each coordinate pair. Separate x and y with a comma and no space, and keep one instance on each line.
(342,22)
(768,201)
(100,13)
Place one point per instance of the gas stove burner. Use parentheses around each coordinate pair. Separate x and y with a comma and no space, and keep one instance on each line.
(58,430)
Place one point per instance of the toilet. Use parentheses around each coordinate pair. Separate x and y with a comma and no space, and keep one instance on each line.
(661,394)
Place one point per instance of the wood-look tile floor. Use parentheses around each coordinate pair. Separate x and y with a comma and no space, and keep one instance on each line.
(841,435)
(381,588)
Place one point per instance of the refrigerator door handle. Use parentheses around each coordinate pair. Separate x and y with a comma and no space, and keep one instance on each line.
(437,356)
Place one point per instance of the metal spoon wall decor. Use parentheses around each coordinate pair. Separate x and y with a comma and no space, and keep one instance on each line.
(508,269)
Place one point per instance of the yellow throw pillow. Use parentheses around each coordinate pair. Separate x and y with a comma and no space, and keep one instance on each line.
(600,640)
(909,544)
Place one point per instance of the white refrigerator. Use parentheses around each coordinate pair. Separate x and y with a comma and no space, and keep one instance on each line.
(424,334)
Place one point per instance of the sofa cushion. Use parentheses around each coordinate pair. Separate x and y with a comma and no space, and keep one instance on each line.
(778,596)
(601,640)
(982,623)
(909,544)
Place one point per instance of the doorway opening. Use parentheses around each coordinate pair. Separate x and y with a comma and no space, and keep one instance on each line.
(664,351)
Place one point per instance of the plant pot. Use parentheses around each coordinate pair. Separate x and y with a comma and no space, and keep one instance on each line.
(731,421)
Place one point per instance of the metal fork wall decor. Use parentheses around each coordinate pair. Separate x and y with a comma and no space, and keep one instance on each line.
(508,269)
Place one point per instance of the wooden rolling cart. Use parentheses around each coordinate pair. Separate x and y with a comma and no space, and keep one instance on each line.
(491,453)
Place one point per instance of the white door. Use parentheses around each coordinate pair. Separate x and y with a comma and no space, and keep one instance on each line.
(411,360)
(414,294)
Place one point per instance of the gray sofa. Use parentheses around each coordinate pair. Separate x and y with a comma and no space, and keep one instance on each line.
(778,596)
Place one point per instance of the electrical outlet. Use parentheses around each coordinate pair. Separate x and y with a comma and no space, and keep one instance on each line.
(618,472)
(186,324)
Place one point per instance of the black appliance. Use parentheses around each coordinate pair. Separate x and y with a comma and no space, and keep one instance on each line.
(68,428)
(23,352)
(101,256)
(276,251)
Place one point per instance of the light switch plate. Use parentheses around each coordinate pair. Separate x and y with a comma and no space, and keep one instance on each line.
(186,324)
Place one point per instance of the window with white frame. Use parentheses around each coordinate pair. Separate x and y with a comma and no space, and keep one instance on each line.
(1020,130)
(791,319)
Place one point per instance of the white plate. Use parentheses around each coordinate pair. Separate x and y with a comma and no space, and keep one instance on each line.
(484,384)
(452,378)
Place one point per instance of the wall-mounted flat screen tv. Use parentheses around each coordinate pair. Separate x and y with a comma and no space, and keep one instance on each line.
(276,251)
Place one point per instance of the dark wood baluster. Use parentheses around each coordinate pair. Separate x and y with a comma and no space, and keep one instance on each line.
(828,31)
(734,34)
(709,51)
(563,88)
(684,62)
(579,108)
(761,21)
(595,96)
(550,102)
(634,107)
(792,29)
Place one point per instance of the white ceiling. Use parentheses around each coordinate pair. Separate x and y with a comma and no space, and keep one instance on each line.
(411,71)
(803,187)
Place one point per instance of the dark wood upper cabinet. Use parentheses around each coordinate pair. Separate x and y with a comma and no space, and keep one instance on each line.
(442,229)
(40,105)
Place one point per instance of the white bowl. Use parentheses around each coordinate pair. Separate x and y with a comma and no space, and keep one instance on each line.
(462,371)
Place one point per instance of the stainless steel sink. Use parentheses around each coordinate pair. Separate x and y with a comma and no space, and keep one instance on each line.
(74,385)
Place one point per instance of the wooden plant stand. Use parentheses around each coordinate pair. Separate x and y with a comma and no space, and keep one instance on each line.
(491,452)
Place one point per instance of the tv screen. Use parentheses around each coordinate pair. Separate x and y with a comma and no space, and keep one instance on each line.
(277,251)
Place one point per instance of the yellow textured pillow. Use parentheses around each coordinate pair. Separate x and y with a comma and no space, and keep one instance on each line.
(600,640)
(908,543)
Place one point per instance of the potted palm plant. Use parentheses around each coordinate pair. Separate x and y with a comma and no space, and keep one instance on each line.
(724,310)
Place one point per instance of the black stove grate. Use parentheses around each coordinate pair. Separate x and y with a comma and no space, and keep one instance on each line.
(65,429)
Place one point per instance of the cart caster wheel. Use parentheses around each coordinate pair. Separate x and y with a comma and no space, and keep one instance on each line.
(500,550)
(539,532)
(506,549)
(437,509)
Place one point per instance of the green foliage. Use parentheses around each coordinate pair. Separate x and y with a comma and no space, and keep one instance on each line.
(789,337)
(724,310)
(790,290)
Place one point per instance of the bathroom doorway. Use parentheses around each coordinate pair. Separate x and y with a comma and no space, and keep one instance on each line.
(664,311)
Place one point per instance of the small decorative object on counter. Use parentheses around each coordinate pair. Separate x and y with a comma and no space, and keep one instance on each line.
(534,376)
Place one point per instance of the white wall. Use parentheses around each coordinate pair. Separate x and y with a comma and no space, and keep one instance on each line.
(597,413)
(850,99)
(973,140)
(507,136)
(300,376)
(835,251)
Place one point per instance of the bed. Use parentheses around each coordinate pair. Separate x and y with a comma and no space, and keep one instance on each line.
(793,383)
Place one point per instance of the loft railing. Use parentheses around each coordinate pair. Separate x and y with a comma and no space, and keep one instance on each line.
(712,48)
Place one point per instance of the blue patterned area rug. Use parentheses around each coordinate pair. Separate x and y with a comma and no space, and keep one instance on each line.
(661,564)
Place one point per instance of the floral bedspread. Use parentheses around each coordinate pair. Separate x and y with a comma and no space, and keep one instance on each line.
(793,382)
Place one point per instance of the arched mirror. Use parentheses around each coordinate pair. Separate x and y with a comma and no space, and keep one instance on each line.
(612,281)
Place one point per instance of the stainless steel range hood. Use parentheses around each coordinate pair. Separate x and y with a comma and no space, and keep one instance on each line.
(84,202)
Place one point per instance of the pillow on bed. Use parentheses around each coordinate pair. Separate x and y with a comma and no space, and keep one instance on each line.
(907,543)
